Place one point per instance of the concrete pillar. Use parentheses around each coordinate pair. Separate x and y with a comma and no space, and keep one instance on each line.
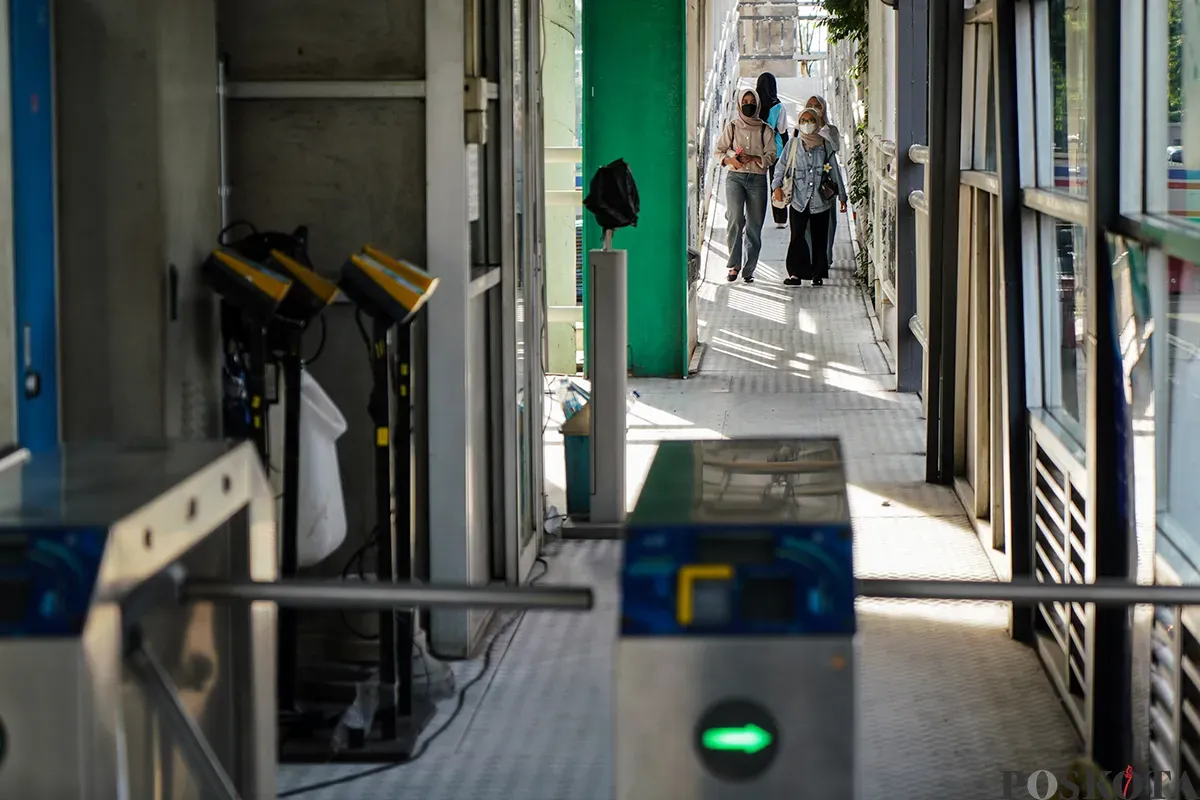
(138,212)
(560,93)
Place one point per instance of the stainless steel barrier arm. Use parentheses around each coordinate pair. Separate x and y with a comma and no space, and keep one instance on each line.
(1111,593)
(338,595)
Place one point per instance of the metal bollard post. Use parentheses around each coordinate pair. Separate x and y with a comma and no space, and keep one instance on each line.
(609,373)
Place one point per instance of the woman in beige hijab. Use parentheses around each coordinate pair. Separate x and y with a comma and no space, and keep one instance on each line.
(829,132)
(747,147)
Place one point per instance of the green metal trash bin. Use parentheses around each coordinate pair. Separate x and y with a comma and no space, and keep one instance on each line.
(577,449)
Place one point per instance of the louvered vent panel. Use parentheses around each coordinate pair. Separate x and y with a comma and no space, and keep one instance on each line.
(1189,699)
(1061,557)
(1164,682)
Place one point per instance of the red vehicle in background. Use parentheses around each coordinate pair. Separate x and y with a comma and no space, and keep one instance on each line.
(1183,277)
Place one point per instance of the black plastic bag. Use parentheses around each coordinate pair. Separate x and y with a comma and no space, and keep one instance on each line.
(613,197)
(257,245)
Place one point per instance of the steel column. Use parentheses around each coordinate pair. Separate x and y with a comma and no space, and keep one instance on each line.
(945,123)
(448,254)
(1017,492)
(912,127)
(1109,504)
(35,256)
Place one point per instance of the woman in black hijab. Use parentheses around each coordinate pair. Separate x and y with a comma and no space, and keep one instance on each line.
(774,113)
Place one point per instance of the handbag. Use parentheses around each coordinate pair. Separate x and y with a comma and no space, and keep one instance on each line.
(828,187)
(787,186)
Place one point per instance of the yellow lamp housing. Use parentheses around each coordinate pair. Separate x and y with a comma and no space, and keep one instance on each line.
(310,292)
(247,285)
(385,288)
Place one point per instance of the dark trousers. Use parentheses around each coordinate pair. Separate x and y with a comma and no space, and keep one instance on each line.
(780,215)
(802,262)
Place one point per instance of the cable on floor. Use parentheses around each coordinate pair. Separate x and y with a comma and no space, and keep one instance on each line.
(458,707)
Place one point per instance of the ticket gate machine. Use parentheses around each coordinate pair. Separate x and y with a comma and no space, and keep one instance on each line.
(736,657)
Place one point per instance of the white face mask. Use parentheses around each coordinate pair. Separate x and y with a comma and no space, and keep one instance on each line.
(808,127)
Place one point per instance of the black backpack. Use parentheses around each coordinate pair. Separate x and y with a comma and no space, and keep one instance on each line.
(613,197)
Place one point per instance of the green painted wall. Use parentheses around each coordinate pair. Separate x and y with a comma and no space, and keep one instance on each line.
(634,90)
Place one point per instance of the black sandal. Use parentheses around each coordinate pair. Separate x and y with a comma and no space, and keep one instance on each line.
(749,279)
(733,275)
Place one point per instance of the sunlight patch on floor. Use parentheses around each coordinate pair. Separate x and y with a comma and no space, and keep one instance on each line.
(717,348)
(758,306)
(852,383)
(974,615)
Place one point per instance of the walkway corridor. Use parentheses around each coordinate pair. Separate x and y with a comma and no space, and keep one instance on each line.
(948,701)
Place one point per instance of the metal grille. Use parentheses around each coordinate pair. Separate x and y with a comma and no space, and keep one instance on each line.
(1061,557)
(1174,693)
(579,261)
(1164,682)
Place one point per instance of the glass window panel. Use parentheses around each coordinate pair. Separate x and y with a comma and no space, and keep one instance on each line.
(1064,321)
(1183,96)
(1182,426)
(1068,79)
(1135,328)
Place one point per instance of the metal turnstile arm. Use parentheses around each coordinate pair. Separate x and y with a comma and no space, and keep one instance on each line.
(1111,593)
(349,596)
(160,690)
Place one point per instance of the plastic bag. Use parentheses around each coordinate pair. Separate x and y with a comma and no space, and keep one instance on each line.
(257,245)
(613,197)
(321,523)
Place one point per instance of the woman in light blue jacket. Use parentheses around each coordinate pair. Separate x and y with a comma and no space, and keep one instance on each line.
(807,181)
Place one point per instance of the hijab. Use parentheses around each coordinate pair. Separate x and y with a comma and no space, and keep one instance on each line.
(811,140)
(823,114)
(737,102)
(768,93)
(827,128)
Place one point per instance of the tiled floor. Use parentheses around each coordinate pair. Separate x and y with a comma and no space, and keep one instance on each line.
(948,702)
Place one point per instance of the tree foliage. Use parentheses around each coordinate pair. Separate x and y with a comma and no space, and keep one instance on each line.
(847,20)
(1175,61)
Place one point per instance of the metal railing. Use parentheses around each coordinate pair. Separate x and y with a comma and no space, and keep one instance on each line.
(714,111)
(919,324)
(881,164)
(773,31)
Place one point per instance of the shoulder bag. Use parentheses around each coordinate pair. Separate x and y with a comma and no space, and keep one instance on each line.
(828,187)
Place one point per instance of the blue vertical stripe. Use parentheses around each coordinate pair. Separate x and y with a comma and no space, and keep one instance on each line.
(31,35)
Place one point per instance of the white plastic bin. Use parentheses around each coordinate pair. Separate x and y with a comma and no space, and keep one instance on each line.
(322,506)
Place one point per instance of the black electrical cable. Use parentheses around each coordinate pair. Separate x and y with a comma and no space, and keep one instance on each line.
(320,344)
(358,557)
(458,707)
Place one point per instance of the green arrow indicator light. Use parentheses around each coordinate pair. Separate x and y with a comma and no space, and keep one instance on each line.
(748,739)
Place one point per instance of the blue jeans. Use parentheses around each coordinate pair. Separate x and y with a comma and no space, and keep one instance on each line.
(745,209)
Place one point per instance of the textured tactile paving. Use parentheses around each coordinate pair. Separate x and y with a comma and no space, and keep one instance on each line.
(947,700)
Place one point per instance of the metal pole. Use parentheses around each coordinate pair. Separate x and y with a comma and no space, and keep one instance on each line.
(609,370)
(1016,488)
(1112,593)
(356,596)
(223,137)
(912,128)
(1108,707)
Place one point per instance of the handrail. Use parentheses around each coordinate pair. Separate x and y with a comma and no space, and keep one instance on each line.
(564,155)
(919,154)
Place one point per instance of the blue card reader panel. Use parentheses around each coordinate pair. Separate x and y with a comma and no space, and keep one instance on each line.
(789,581)
(47,580)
